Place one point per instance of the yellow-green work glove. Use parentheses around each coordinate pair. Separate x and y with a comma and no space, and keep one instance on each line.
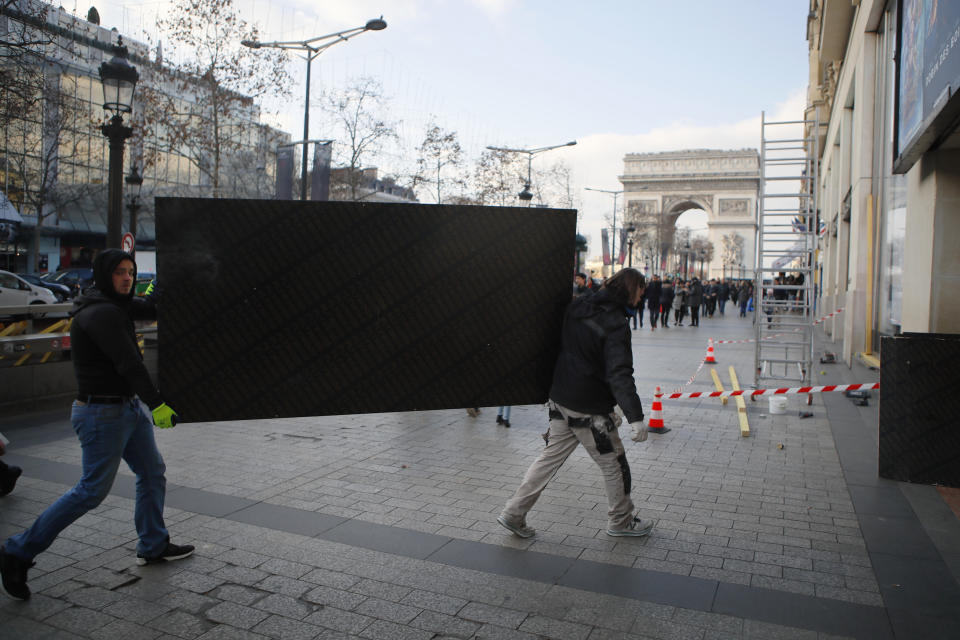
(164,417)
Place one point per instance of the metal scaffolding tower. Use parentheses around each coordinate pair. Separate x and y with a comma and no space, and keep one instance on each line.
(784,288)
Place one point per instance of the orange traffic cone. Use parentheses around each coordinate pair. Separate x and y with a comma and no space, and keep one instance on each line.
(710,359)
(656,418)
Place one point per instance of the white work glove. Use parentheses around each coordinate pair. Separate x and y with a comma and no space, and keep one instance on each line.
(639,431)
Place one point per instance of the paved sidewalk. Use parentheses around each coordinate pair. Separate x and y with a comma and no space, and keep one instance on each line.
(383,526)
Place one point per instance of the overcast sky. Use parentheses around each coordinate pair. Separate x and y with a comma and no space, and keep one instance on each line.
(619,77)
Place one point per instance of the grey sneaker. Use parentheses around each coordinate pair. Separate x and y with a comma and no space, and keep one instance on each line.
(636,529)
(517,528)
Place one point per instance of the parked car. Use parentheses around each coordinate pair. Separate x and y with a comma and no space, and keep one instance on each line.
(77,278)
(15,292)
(62,291)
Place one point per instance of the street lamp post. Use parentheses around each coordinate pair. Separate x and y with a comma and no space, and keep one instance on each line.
(527,195)
(313,48)
(119,79)
(630,231)
(134,182)
(613,258)
(686,258)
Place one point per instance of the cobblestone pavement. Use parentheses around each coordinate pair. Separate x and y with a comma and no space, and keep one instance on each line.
(383,526)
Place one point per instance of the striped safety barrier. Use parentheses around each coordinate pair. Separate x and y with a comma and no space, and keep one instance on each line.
(759,392)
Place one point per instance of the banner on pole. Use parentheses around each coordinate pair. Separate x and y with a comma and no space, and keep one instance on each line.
(605,242)
(623,246)
(285,173)
(320,180)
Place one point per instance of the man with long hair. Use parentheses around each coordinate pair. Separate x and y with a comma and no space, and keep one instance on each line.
(593,373)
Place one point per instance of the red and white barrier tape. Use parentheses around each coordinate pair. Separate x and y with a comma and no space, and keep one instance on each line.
(693,377)
(759,392)
(778,335)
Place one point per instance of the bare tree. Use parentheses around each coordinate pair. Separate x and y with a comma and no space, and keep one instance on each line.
(206,110)
(497,177)
(554,186)
(24,41)
(440,160)
(359,127)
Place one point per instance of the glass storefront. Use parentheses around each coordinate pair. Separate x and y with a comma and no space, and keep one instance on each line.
(891,195)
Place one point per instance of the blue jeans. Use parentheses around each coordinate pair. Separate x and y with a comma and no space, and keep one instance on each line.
(107,433)
(505,412)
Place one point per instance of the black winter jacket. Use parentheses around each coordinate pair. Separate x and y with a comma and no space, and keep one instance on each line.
(106,359)
(595,368)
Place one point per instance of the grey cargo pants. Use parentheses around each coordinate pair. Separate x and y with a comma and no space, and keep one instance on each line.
(598,435)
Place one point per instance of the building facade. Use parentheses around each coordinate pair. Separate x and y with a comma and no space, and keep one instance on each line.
(54,159)
(883,84)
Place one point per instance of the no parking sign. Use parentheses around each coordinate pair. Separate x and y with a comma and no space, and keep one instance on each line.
(127,242)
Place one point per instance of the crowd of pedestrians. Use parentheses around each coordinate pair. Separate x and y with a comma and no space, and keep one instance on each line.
(672,298)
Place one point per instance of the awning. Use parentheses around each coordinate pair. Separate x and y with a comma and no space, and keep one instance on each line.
(8,212)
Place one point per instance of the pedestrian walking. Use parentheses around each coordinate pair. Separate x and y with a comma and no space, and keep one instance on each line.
(679,302)
(594,372)
(743,297)
(8,473)
(723,294)
(111,421)
(653,301)
(666,303)
(694,299)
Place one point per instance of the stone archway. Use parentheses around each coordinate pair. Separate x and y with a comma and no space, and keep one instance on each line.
(658,187)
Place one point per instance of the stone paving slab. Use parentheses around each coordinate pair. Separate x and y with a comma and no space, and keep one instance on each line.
(729,510)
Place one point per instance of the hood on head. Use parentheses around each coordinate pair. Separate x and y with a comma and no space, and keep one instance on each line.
(103,266)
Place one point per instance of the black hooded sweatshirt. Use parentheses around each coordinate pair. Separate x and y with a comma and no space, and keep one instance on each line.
(106,359)
(595,368)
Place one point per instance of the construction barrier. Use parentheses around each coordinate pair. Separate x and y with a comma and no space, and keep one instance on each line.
(656,414)
(759,392)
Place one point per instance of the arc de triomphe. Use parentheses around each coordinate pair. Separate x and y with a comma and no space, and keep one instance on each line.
(658,187)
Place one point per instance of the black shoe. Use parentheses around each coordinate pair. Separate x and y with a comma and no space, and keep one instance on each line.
(172,552)
(499,419)
(14,572)
(506,423)
(9,480)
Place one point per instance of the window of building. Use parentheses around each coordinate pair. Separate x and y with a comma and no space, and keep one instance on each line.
(891,193)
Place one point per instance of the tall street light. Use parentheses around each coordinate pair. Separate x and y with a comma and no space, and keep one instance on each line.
(613,260)
(527,195)
(119,79)
(134,182)
(313,48)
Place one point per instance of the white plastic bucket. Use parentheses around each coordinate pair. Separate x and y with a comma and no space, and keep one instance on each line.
(778,404)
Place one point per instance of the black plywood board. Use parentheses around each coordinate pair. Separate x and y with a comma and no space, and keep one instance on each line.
(282,309)
(919,432)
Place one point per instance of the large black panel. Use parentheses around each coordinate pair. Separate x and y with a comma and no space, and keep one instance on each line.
(920,409)
(279,309)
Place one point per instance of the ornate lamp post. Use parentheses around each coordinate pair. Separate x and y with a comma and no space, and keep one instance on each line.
(134,182)
(527,195)
(313,48)
(119,79)
(630,230)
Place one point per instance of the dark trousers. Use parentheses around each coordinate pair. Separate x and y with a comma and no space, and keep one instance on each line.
(678,315)
(722,302)
(695,316)
(743,309)
(654,314)
(665,317)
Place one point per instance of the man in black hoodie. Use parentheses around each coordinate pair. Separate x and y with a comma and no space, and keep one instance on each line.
(111,422)
(593,373)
